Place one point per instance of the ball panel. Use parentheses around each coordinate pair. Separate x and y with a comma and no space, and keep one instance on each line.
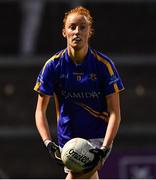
(76,155)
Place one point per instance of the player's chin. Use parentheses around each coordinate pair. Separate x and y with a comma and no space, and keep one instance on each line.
(77,46)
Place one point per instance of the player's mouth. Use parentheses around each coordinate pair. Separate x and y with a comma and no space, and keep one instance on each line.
(77,39)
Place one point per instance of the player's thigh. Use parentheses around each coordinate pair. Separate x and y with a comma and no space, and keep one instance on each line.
(90,175)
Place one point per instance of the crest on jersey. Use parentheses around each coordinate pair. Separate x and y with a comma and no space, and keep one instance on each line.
(78,76)
(92,77)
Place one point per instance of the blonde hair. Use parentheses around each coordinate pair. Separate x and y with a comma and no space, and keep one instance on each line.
(82,11)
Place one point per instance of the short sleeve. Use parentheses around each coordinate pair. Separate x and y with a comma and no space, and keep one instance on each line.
(45,80)
(113,83)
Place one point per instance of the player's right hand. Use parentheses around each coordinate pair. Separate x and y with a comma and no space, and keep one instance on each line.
(54,152)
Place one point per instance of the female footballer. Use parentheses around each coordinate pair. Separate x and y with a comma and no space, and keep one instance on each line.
(85,85)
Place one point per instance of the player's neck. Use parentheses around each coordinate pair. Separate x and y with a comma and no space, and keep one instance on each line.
(77,55)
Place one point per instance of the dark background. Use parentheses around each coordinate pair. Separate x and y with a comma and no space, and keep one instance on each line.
(30,33)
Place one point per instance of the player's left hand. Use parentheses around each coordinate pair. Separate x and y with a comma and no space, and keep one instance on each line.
(100,155)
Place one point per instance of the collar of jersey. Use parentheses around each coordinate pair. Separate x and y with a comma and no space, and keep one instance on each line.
(87,58)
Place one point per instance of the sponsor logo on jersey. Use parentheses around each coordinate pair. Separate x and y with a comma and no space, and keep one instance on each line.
(64,76)
(80,95)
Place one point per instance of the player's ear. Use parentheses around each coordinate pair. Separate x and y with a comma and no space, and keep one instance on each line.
(91,32)
(64,33)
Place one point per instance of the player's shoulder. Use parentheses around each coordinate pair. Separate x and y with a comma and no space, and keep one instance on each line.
(102,57)
(54,59)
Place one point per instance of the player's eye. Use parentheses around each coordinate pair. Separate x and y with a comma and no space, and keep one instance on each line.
(82,27)
(72,27)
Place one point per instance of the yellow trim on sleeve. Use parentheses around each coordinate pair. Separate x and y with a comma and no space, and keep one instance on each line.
(57,107)
(53,58)
(106,63)
(37,85)
(116,87)
(111,72)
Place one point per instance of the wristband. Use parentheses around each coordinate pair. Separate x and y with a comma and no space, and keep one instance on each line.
(47,141)
(104,147)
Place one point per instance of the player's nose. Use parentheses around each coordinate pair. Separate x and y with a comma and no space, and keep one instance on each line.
(77,30)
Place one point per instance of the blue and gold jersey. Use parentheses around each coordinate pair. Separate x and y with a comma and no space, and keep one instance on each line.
(80,91)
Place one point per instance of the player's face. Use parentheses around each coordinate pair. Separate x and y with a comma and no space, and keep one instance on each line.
(77,31)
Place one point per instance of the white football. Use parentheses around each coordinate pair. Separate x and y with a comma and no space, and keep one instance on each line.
(75,154)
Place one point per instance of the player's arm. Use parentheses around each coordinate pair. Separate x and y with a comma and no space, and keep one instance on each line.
(113,103)
(41,118)
(112,128)
(43,127)
(100,154)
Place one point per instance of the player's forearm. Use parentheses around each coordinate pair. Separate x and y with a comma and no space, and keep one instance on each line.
(42,125)
(112,129)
